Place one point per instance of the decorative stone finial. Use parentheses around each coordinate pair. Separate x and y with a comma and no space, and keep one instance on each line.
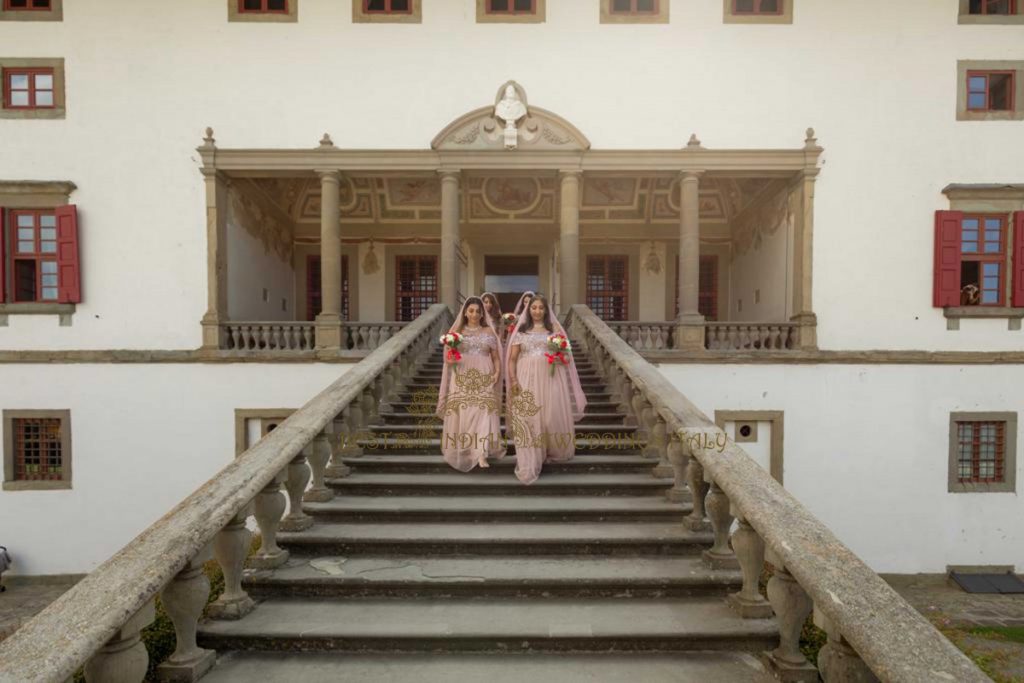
(694,143)
(810,142)
(209,141)
(326,142)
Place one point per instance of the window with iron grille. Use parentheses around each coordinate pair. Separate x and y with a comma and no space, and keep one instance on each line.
(757,7)
(387,6)
(634,6)
(511,6)
(314,300)
(992,7)
(982,452)
(707,279)
(263,6)
(37,449)
(608,286)
(416,281)
(28,5)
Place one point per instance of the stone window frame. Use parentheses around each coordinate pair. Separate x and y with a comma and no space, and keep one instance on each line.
(963,66)
(55,13)
(1009,483)
(59,108)
(361,16)
(235,14)
(538,16)
(32,194)
(783,17)
(659,17)
(9,483)
(266,416)
(965,17)
(776,444)
(989,199)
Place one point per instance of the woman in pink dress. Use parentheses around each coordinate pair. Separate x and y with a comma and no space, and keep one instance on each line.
(467,400)
(542,406)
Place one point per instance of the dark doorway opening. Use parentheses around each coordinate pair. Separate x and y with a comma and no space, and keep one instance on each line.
(509,276)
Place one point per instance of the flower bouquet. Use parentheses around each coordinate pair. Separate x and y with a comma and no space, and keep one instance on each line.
(451,341)
(509,320)
(559,351)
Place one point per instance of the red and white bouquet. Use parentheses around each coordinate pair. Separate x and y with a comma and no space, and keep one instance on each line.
(451,341)
(559,351)
(509,320)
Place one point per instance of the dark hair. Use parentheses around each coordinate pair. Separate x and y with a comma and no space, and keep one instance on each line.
(483,311)
(528,323)
(494,300)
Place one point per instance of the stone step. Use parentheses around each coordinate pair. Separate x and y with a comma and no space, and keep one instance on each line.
(499,483)
(409,392)
(392,417)
(414,387)
(428,446)
(436,463)
(543,625)
(340,667)
(498,538)
(505,577)
(593,407)
(485,508)
(607,431)
(434,377)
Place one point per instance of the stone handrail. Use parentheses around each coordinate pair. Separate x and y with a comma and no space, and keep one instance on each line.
(739,336)
(292,335)
(872,631)
(645,336)
(96,623)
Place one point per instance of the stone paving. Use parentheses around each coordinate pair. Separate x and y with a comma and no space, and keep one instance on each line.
(932,593)
(22,601)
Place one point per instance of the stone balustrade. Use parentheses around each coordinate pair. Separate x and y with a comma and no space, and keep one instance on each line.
(97,623)
(873,634)
(728,336)
(369,336)
(268,336)
(718,336)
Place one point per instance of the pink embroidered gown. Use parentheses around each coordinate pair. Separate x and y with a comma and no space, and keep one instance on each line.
(472,425)
(539,418)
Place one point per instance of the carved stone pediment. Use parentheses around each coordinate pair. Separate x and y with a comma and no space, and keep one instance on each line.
(493,127)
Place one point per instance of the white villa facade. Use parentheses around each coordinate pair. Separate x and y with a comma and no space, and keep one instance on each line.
(832,192)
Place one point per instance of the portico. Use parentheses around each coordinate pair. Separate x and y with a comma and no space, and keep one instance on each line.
(689,248)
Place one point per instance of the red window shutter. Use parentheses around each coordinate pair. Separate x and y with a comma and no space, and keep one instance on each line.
(68,270)
(1018,259)
(3,256)
(946,288)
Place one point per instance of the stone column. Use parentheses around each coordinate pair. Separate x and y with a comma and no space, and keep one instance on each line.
(690,323)
(803,244)
(216,246)
(328,322)
(450,238)
(569,240)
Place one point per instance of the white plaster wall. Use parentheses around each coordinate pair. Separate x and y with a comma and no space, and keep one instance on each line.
(764,269)
(141,442)
(867,450)
(145,78)
(251,269)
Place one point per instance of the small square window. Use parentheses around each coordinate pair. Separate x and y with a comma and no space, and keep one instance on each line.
(982,452)
(31,10)
(263,10)
(37,449)
(634,11)
(387,6)
(27,5)
(757,7)
(387,11)
(992,7)
(264,6)
(990,91)
(634,6)
(511,7)
(28,88)
(510,11)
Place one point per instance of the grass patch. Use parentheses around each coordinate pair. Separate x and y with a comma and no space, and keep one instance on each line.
(1012,633)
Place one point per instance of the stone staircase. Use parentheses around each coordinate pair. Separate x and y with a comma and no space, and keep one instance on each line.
(416,572)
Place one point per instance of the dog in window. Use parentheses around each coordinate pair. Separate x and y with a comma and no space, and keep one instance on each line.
(970,295)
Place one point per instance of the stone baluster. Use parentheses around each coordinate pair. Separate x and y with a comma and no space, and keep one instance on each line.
(659,441)
(791,605)
(719,555)
(230,548)
(269,506)
(310,337)
(838,662)
(183,599)
(749,549)
(374,341)
(236,337)
(377,394)
(266,334)
(295,484)
(368,404)
(124,658)
(243,333)
(699,490)
(346,434)
(677,458)
(648,419)
(319,453)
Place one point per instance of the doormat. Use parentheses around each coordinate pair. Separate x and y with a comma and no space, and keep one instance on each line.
(988,583)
